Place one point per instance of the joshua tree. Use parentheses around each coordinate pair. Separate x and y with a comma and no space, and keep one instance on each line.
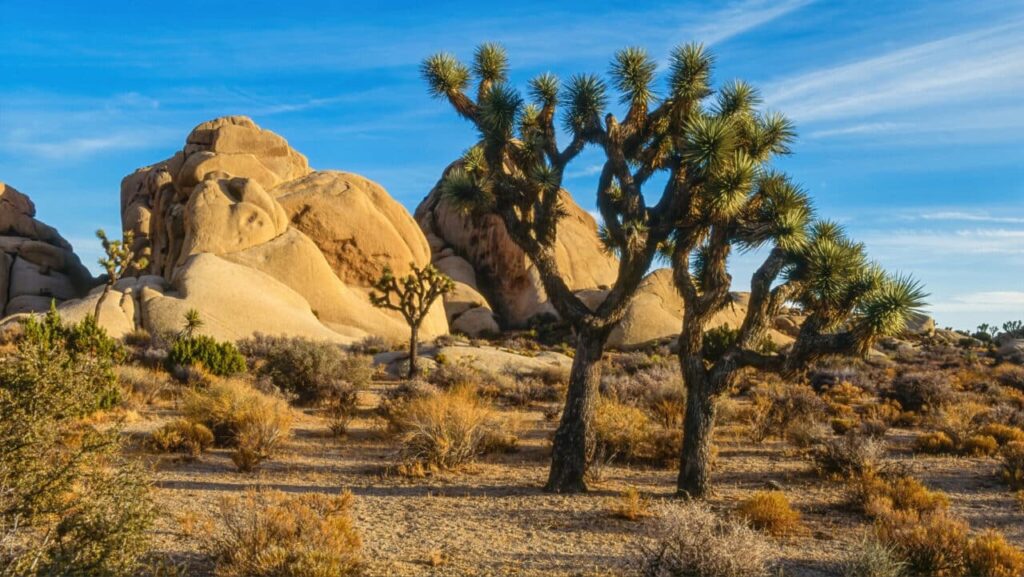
(516,171)
(742,204)
(412,295)
(118,259)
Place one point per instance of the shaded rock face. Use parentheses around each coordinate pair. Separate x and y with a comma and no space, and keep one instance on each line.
(36,264)
(302,247)
(502,277)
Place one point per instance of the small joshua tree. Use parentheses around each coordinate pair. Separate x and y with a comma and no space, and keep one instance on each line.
(193,322)
(119,258)
(411,295)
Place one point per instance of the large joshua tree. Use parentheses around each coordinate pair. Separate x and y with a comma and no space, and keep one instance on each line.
(848,301)
(516,168)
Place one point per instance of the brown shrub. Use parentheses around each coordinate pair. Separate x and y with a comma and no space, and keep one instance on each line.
(1003,434)
(877,495)
(849,455)
(980,446)
(777,407)
(1009,375)
(692,540)
(869,557)
(921,390)
(1012,470)
(182,436)
(934,443)
(931,544)
(270,534)
(442,429)
(631,505)
(989,554)
(626,433)
(770,511)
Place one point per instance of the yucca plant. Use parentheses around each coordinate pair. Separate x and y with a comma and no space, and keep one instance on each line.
(743,204)
(118,259)
(412,296)
(516,168)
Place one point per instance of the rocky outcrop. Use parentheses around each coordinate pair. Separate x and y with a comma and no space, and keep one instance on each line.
(302,247)
(37,265)
(502,276)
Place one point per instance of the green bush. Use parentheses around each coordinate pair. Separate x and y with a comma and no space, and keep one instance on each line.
(314,372)
(67,505)
(221,359)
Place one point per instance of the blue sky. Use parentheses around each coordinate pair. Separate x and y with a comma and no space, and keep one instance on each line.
(910,114)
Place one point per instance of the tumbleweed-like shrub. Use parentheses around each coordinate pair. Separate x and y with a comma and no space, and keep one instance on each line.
(989,554)
(691,540)
(771,512)
(271,534)
(443,429)
(182,436)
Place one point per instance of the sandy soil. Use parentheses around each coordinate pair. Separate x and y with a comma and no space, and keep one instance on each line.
(493,518)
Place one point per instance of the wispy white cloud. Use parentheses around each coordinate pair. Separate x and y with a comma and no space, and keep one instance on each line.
(955,215)
(742,17)
(943,245)
(985,64)
(984,301)
(585,171)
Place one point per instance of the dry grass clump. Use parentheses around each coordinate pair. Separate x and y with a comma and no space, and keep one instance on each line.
(1012,468)
(1009,375)
(779,408)
(980,446)
(692,540)
(239,416)
(271,534)
(851,455)
(1020,499)
(869,557)
(627,434)
(989,554)
(1003,434)
(934,443)
(770,511)
(144,385)
(879,496)
(444,429)
(182,436)
(932,544)
(631,505)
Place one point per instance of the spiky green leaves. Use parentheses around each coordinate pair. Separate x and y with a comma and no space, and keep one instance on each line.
(544,89)
(445,75)
(690,79)
(708,143)
(499,112)
(779,212)
(737,98)
(490,62)
(632,72)
(888,309)
(587,98)
(466,186)
(728,189)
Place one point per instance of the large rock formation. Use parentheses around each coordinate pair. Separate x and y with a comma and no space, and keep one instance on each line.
(493,274)
(237,226)
(37,265)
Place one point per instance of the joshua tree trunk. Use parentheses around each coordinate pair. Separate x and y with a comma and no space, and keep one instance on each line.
(99,303)
(573,438)
(694,470)
(413,351)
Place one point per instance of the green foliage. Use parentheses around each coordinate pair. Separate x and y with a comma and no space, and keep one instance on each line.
(313,371)
(219,358)
(718,340)
(67,505)
(413,294)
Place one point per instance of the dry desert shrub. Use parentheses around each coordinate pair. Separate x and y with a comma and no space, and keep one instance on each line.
(627,434)
(1003,434)
(989,554)
(980,446)
(631,505)
(443,429)
(869,557)
(239,416)
(934,443)
(771,512)
(779,407)
(314,372)
(850,455)
(921,390)
(1012,467)
(1009,375)
(144,385)
(1020,500)
(271,534)
(694,541)
(932,544)
(182,436)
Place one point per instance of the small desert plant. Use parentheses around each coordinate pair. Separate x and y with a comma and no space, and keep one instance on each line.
(692,540)
(182,436)
(1020,499)
(934,443)
(869,557)
(778,407)
(990,555)
(1009,375)
(770,511)
(1012,469)
(980,446)
(930,544)
(220,358)
(916,391)
(1003,434)
(270,534)
(851,454)
(620,431)
(412,296)
(444,429)
(313,371)
(118,259)
(631,505)
(253,423)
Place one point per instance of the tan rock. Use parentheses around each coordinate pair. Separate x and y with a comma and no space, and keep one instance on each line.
(6,261)
(476,322)
(28,279)
(514,288)
(356,224)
